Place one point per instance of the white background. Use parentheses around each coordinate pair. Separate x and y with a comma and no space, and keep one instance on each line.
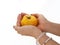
(9,10)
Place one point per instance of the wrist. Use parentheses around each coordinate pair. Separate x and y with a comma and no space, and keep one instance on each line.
(47,27)
(43,39)
(37,33)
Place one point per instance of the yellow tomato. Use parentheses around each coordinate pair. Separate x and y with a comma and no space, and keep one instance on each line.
(29,20)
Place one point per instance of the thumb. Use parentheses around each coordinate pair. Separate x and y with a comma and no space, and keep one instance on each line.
(16,27)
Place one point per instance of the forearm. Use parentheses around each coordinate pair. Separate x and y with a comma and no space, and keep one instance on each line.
(53,28)
(50,42)
(44,38)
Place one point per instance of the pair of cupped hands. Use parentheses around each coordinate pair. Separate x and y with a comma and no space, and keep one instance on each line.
(30,30)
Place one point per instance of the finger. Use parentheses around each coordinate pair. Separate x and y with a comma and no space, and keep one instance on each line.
(20,30)
(36,15)
(18,20)
(41,18)
(16,28)
(20,16)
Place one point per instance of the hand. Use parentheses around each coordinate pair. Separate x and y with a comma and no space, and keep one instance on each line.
(20,16)
(26,30)
(43,22)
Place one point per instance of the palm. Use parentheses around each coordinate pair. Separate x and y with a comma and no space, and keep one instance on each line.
(27,30)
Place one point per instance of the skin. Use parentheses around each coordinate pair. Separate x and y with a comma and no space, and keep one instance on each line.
(26,30)
(42,26)
(47,26)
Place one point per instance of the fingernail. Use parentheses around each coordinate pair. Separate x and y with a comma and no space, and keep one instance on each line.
(13,26)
